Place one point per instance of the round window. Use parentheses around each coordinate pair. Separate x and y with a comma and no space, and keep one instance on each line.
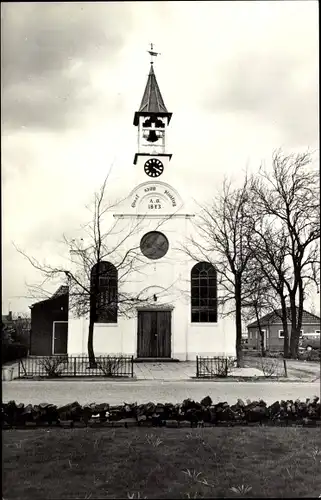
(154,245)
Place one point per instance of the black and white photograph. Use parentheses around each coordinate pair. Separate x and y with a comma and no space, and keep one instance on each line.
(160,249)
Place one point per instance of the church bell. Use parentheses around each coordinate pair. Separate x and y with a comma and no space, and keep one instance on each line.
(152,136)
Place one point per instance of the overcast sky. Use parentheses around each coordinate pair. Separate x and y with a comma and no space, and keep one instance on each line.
(241,79)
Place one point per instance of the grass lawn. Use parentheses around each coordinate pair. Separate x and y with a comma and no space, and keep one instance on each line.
(294,367)
(274,366)
(161,463)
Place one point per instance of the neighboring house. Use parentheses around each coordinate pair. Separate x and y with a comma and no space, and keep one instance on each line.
(7,330)
(17,328)
(49,325)
(6,318)
(22,326)
(271,325)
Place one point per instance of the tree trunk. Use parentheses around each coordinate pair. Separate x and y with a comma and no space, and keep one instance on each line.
(260,332)
(262,343)
(92,319)
(238,321)
(90,346)
(294,343)
(94,296)
(296,323)
(286,353)
(296,320)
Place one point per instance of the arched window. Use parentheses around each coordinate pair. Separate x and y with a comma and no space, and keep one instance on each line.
(104,276)
(204,293)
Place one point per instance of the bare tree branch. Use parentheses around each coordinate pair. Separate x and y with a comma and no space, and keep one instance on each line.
(287,232)
(102,244)
(222,230)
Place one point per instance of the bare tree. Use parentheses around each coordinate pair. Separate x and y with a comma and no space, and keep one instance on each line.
(256,302)
(269,249)
(22,324)
(223,240)
(287,229)
(88,277)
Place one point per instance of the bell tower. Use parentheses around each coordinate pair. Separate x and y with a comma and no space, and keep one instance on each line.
(153,180)
(152,120)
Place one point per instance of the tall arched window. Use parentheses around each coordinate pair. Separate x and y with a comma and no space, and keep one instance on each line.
(204,293)
(104,275)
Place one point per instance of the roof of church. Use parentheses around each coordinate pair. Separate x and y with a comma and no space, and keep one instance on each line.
(152,101)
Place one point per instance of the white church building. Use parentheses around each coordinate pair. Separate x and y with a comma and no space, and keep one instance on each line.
(177,315)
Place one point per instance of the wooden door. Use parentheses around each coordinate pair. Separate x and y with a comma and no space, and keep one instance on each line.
(60,336)
(146,334)
(154,334)
(163,334)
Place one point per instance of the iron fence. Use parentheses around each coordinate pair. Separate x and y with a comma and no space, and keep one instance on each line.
(218,366)
(76,366)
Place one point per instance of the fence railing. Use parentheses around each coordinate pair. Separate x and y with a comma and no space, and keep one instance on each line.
(76,366)
(218,366)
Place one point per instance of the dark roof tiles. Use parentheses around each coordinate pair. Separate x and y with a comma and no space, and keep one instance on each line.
(62,290)
(275,317)
(152,101)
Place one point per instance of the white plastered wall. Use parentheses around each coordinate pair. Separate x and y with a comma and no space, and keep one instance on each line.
(170,275)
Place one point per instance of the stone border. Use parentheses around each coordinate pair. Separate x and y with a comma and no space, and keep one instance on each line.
(186,414)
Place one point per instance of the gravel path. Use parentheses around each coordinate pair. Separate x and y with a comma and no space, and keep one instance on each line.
(117,392)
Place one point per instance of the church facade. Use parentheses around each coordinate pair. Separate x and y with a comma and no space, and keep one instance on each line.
(175,313)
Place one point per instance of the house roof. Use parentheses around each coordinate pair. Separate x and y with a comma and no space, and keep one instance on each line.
(275,317)
(62,290)
(152,101)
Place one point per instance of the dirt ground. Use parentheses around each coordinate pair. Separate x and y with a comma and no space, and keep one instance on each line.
(119,391)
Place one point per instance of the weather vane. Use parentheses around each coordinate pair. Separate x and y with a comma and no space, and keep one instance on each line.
(152,53)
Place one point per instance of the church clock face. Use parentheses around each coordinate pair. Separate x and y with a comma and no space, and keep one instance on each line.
(154,167)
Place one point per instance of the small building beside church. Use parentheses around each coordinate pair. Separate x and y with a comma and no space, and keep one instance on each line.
(271,325)
(49,325)
(176,314)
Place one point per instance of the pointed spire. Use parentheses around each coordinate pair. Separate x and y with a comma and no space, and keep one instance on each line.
(152,101)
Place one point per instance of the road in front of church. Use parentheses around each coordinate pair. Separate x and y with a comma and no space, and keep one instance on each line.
(142,391)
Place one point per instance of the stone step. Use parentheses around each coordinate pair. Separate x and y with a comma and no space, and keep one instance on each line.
(156,360)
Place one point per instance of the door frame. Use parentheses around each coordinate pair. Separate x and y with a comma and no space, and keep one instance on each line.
(53,339)
(154,309)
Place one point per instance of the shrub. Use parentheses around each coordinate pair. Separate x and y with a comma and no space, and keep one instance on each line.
(310,355)
(13,352)
(271,367)
(274,354)
(215,367)
(110,365)
(53,365)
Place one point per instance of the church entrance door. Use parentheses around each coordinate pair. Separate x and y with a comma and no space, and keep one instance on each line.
(154,334)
